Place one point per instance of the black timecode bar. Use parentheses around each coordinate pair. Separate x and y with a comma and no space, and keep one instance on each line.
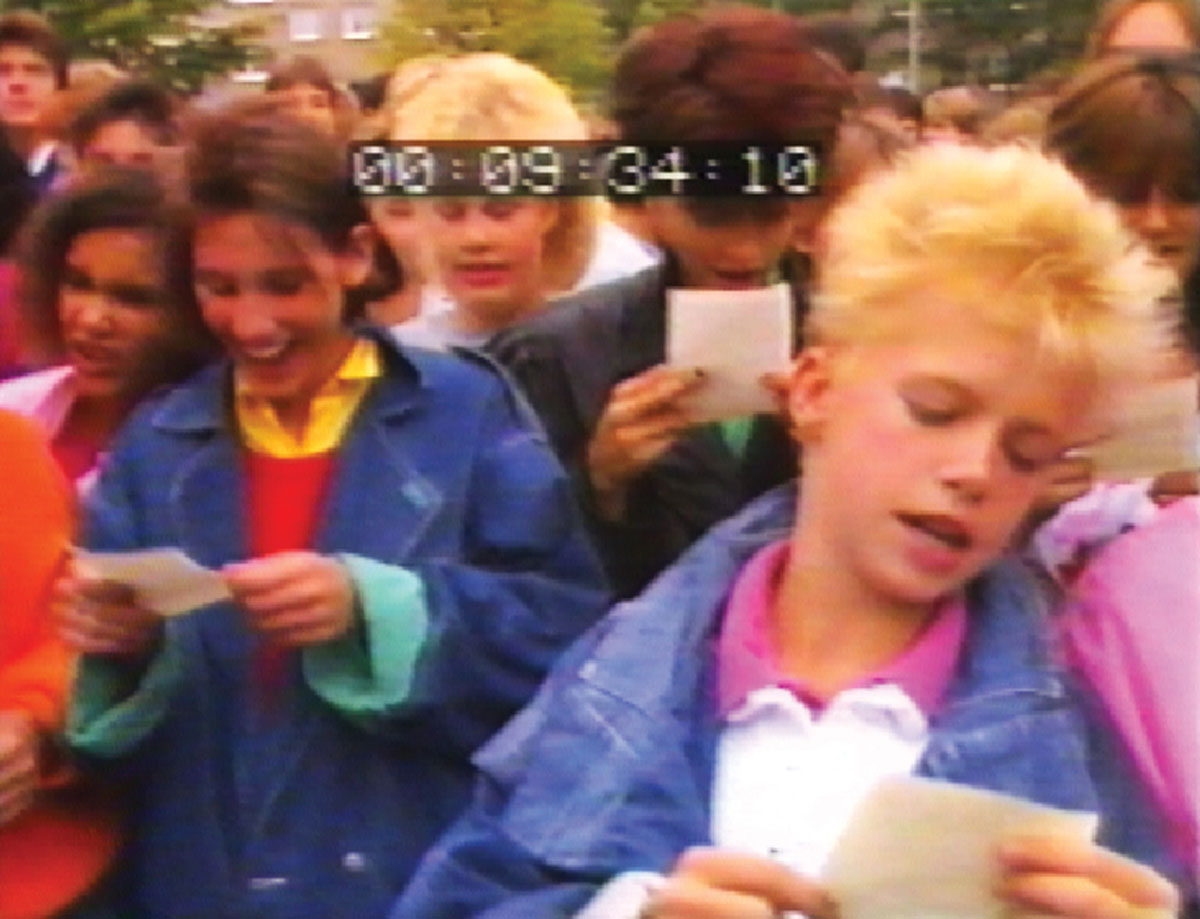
(566,169)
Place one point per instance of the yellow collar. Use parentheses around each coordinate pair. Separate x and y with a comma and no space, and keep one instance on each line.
(329,413)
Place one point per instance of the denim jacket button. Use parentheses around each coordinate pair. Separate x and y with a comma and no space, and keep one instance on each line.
(354,861)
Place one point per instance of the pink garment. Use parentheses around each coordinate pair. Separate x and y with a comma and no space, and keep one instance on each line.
(747,660)
(1131,627)
(45,396)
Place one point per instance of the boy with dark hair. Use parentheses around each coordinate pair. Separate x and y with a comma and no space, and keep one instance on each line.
(33,65)
(132,123)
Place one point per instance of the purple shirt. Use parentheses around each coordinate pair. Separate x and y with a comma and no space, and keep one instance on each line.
(747,660)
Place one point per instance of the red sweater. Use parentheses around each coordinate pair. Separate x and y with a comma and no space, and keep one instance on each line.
(286,497)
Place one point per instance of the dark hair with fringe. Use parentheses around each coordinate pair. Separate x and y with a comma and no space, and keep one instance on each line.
(109,199)
(147,103)
(34,31)
(253,157)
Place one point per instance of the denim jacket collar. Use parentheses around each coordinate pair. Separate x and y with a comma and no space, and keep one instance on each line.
(208,490)
(200,404)
(622,740)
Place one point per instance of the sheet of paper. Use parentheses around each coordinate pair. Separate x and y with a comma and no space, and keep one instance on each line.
(735,336)
(1156,431)
(922,849)
(164,580)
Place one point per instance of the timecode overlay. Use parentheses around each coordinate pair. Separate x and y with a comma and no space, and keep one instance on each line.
(563,169)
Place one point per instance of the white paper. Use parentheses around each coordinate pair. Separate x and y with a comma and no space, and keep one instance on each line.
(1155,430)
(734,336)
(922,849)
(164,580)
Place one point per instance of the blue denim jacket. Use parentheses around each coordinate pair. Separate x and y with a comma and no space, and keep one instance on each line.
(610,768)
(472,572)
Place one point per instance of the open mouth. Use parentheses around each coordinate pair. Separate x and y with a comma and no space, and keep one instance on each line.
(263,353)
(93,357)
(946,530)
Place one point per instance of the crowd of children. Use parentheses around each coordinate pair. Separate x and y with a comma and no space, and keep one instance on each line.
(424,445)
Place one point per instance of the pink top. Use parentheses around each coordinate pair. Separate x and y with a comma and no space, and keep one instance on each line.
(1131,627)
(46,396)
(746,659)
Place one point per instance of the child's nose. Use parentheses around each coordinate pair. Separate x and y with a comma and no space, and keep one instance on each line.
(968,467)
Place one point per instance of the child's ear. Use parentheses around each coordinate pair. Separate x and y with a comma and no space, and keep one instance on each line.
(808,392)
(357,259)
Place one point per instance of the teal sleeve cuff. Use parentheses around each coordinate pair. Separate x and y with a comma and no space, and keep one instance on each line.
(369,671)
(110,711)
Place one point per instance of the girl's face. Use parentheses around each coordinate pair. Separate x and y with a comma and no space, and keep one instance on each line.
(111,310)
(970,427)
(273,292)
(1169,225)
(488,254)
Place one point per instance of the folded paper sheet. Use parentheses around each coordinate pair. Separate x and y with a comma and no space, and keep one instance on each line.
(922,849)
(734,336)
(1156,432)
(164,580)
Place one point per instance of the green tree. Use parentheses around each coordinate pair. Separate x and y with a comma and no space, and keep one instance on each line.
(179,43)
(1001,41)
(568,39)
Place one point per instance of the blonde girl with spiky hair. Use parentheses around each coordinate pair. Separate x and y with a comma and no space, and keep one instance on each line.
(701,751)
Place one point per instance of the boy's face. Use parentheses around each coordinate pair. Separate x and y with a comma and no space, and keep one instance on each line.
(925,451)
(26,86)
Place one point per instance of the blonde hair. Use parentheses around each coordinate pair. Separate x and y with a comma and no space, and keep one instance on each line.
(491,96)
(1013,233)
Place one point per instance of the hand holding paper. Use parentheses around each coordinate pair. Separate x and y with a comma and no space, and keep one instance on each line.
(165,581)
(734,336)
(642,419)
(920,849)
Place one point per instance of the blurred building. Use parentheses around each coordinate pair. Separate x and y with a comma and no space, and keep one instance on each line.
(340,33)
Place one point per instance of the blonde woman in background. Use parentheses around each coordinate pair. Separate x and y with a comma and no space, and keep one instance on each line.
(499,259)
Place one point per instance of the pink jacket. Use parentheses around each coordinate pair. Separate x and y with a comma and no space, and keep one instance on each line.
(1131,626)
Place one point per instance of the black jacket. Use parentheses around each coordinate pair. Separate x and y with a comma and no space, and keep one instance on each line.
(569,358)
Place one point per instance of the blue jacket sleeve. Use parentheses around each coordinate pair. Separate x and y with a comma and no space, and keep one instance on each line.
(117,703)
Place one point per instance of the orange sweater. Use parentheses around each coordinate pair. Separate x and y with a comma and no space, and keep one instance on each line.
(55,851)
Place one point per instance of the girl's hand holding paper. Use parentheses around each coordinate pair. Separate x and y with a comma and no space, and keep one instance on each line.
(98,616)
(295,598)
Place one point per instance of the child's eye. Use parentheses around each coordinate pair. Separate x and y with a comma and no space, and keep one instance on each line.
(74,279)
(1024,462)
(135,295)
(214,287)
(450,210)
(929,413)
(1033,454)
(500,208)
(282,284)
